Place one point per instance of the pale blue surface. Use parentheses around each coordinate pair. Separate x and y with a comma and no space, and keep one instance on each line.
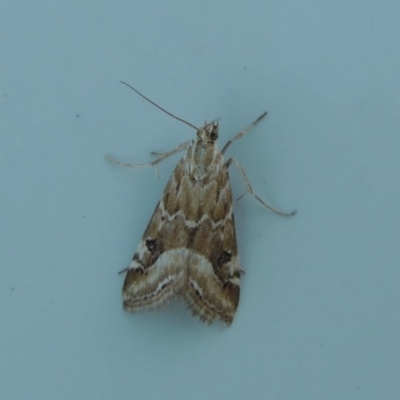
(319,312)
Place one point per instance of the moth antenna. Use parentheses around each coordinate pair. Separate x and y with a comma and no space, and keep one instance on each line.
(162,109)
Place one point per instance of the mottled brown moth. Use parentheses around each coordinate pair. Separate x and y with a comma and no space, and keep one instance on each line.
(189,247)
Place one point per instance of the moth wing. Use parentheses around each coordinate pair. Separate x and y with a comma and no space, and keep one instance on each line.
(158,269)
(213,282)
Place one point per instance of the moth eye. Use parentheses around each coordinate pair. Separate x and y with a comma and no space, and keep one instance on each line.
(151,245)
(214,135)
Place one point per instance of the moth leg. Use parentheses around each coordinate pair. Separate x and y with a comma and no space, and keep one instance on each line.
(242,133)
(166,154)
(251,191)
(162,157)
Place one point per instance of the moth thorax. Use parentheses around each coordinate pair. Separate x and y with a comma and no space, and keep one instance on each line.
(203,158)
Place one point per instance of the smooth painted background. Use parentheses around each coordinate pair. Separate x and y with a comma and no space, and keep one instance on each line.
(319,310)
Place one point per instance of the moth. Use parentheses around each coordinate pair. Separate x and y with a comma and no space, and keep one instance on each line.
(189,247)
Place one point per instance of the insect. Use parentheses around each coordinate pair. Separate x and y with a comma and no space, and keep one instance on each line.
(189,247)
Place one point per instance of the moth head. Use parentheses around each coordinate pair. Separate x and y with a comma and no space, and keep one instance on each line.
(209,132)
